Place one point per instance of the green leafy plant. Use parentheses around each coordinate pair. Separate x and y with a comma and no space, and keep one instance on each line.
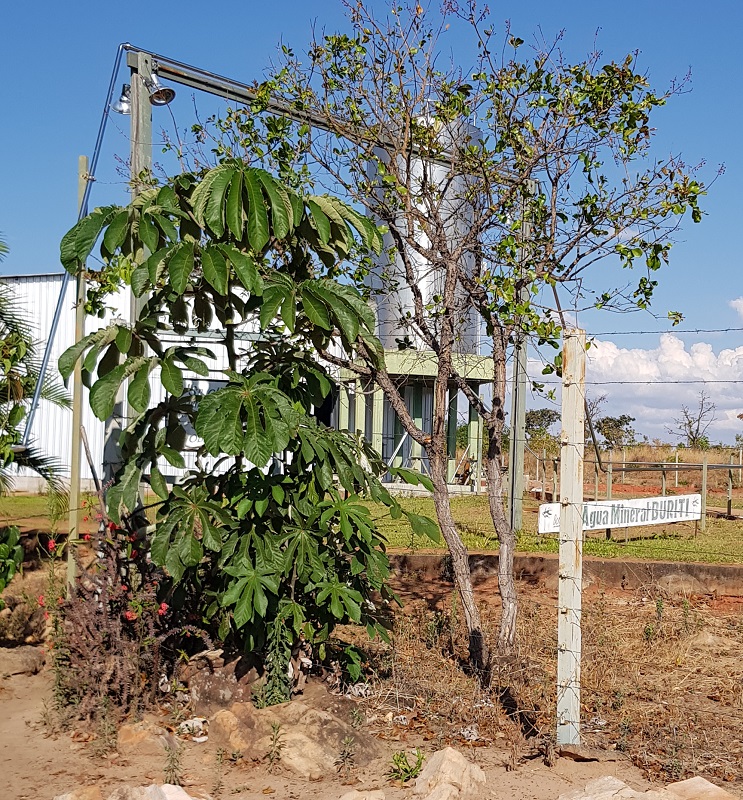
(266,540)
(11,556)
(402,770)
(346,760)
(276,747)
(173,769)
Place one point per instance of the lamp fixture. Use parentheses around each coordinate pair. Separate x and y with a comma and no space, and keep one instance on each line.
(159,95)
(124,104)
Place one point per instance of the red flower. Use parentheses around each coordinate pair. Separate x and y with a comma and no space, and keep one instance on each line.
(134,554)
(85,519)
(163,609)
(86,537)
(130,615)
(112,526)
(41,599)
(46,615)
(52,545)
(124,588)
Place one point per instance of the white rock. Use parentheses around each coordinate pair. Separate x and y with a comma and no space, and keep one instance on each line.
(153,792)
(376,794)
(171,792)
(448,775)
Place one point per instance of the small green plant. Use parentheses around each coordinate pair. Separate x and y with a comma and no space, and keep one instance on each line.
(273,756)
(258,695)
(346,760)
(357,718)
(218,784)
(402,770)
(173,772)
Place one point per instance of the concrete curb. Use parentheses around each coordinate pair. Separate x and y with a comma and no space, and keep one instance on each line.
(687,578)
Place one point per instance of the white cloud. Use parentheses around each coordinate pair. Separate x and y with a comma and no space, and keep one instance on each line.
(650,384)
(737,305)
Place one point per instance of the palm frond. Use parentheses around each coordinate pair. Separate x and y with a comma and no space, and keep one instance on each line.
(46,467)
(14,319)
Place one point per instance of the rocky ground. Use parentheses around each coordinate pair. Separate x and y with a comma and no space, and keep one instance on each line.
(291,751)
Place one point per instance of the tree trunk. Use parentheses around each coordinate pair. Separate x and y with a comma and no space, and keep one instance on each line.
(507,540)
(478,647)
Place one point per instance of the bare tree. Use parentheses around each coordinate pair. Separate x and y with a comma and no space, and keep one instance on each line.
(692,426)
(507,183)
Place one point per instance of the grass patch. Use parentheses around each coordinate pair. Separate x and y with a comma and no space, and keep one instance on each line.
(721,543)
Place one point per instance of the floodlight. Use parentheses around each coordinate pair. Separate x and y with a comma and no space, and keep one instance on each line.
(159,95)
(124,104)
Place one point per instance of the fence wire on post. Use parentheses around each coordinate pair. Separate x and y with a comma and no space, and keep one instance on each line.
(571,538)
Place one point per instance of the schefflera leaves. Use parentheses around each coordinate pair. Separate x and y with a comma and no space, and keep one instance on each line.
(290,545)
(203,251)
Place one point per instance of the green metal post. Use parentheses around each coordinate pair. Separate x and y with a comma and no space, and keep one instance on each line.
(473,438)
(377,420)
(360,411)
(451,434)
(343,406)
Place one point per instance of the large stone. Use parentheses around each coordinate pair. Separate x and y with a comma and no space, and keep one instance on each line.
(140,739)
(310,739)
(610,788)
(697,788)
(448,775)
(215,683)
(154,792)
(24,660)
(86,793)
(227,731)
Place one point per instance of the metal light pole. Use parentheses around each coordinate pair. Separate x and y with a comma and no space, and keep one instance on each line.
(141,67)
(77,395)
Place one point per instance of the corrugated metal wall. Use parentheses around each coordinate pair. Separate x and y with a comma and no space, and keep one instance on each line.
(52,432)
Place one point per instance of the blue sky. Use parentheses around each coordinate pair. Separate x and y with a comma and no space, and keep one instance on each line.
(57,58)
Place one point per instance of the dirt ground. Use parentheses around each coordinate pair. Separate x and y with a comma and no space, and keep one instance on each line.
(662,694)
(36,766)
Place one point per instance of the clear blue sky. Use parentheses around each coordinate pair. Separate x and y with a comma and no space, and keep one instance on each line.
(57,58)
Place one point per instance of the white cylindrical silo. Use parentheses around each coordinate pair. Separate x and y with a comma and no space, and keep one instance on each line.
(429,182)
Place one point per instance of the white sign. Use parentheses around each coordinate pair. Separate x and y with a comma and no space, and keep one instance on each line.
(626,513)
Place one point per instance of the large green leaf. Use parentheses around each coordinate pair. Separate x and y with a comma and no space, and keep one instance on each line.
(116,232)
(159,486)
(281,208)
(215,268)
(245,268)
(218,421)
(257,217)
(215,207)
(180,266)
(320,220)
(139,387)
(235,205)
(104,390)
(148,233)
(315,308)
(172,377)
(423,526)
(202,192)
